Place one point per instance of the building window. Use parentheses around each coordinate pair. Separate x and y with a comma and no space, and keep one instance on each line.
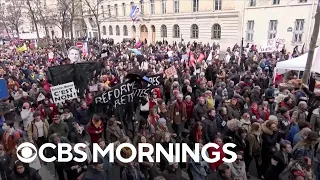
(298,31)
(176,31)
(195,5)
(216,31)
(250,27)
(116,10)
(152,6)
(217,5)
(252,3)
(164,31)
(194,31)
(272,29)
(303,1)
(117,30)
(125,30)
(102,10)
(141,7)
(164,6)
(275,2)
(110,30)
(104,30)
(124,9)
(176,6)
(109,10)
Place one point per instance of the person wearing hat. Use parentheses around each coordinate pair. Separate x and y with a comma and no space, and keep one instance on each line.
(26,115)
(58,127)
(38,129)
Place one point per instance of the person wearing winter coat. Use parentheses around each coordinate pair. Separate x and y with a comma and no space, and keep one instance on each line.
(113,132)
(221,119)
(198,169)
(95,171)
(38,129)
(255,145)
(300,136)
(238,168)
(301,113)
(172,172)
(79,134)
(23,172)
(178,114)
(269,140)
(82,114)
(26,115)
(95,128)
(132,172)
(315,120)
(233,110)
(284,122)
(48,110)
(209,126)
(279,161)
(200,110)
(5,163)
(58,127)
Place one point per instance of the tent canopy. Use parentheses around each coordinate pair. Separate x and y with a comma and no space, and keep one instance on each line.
(298,63)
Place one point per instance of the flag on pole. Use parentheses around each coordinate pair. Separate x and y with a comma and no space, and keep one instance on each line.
(135,13)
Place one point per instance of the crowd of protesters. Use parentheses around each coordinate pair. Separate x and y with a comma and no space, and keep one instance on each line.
(211,98)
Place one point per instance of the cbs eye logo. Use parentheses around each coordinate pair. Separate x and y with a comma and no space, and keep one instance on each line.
(27,152)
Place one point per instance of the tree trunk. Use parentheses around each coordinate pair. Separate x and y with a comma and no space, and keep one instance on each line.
(99,33)
(312,46)
(71,31)
(17,30)
(63,43)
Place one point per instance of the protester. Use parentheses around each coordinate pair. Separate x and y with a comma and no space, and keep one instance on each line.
(23,172)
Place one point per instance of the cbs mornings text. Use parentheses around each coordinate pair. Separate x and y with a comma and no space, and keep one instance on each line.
(29,152)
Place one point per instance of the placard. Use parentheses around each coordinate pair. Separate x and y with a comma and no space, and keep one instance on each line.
(63,92)
(93,88)
(170,71)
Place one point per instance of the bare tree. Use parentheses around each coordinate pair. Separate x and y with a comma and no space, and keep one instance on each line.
(61,19)
(3,22)
(44,16)
(14,14)
(32,13)
(94,7)
(74,12)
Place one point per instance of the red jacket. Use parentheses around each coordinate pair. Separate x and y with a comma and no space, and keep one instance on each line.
(53,108)
(189,109)
(92,132)
(215,165)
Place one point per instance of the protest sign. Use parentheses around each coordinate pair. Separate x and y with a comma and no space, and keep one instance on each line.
(41,97)
(3,89)
(63,92)
(93,88)
(170,71)
(274,44)
(127,92)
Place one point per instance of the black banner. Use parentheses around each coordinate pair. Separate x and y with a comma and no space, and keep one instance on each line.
(79,73)
(125,93)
